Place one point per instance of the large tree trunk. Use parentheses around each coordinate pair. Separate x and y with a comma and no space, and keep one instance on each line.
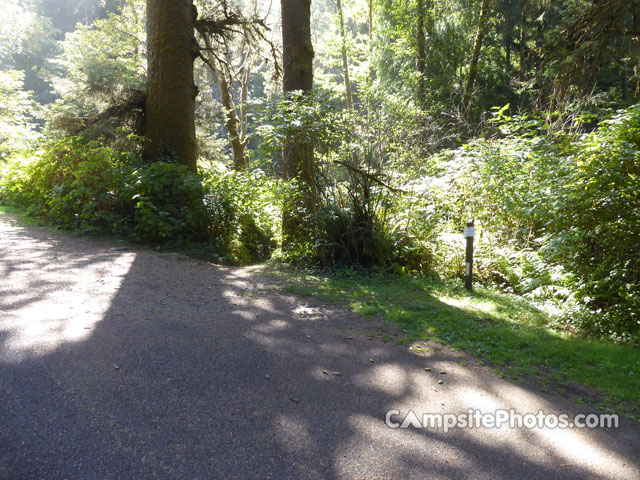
(297,49)
(477,46)
(371,72)
(297,157)
(171,91)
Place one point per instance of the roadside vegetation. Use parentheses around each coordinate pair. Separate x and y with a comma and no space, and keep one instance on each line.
(501,331)
(371,154)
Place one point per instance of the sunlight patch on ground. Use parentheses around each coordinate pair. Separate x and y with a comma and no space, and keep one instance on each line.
(49,298)
(293,433)
(570,446)
(479,399)
(273,326)
(544,447)
(469,305)
(577,448)
(388,378)
(388,449)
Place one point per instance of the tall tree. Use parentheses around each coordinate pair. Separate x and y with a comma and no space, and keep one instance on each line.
(477,46)
(371,69)
(345,59)
(297,157)
(523,40)
(421,56)
(171,91)
(233,124)
(236,127)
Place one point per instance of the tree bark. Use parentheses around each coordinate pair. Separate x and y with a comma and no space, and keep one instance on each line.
(523,41)
(477,46)
(297,49)
(171,91)
(244,98)
(235,137)
(297,156)
(371,66)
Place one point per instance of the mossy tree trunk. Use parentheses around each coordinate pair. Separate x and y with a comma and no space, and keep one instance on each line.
(297,157)
(171,91)
(371,72)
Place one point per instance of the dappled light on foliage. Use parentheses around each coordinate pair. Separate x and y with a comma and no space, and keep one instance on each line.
(97,190)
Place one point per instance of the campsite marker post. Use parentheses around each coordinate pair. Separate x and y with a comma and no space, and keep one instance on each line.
(469,233)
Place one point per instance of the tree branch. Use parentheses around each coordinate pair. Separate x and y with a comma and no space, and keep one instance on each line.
(371,176)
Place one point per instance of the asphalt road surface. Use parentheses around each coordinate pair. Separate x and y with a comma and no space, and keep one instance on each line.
(121,363)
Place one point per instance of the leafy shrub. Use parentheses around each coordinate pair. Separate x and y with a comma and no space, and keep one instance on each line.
(245,213)
(73,184)
(597,228)
(559,217)
(356,221)
(91,188)
(168,203)
(17,115)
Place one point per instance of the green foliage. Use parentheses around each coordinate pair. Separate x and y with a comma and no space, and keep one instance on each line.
(556,211)
(558,217)
(298,118)
(17,112)
(72,184)
(356,220)
(168,203)
(597,228)
(246,212)
(27,43)
(15,23)
(101,61)
(91,188)
(99,74)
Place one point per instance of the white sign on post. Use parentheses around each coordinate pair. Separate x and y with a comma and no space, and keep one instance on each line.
(469,232)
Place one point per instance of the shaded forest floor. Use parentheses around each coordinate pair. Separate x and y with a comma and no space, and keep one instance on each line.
(120,362)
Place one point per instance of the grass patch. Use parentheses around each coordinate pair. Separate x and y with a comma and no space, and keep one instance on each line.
(23,217)
(503,331)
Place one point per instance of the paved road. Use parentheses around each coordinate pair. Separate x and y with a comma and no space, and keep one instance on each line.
(120,363)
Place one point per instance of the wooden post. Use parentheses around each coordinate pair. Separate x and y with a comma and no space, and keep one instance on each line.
(469,233)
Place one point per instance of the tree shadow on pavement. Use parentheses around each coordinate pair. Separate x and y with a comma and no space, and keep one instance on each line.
(189,370)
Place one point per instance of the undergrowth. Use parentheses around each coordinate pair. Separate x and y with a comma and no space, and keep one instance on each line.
(94,189)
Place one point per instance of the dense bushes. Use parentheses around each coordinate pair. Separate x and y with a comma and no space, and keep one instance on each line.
(94,189)
(74,185)
(559,217)
(361,217)
(596,233)
(558,214)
